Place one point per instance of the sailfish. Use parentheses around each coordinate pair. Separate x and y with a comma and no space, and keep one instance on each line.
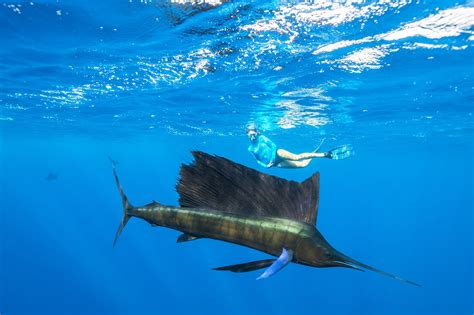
(223,200)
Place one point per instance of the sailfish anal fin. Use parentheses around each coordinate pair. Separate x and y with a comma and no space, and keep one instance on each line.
(285,258)
(186,238)
(245,267)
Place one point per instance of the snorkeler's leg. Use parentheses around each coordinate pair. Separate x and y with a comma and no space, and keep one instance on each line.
(293,164)
(303,163)
(286,155)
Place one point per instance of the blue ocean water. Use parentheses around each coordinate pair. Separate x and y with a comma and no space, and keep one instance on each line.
(146,82)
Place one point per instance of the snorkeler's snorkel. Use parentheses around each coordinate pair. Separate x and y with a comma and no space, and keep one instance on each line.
(252,132)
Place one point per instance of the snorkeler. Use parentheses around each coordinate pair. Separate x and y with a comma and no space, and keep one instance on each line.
(267,154)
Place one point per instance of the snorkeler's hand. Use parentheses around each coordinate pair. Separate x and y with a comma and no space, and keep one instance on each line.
(270,164)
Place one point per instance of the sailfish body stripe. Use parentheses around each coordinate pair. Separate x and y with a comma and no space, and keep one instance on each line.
(263,233)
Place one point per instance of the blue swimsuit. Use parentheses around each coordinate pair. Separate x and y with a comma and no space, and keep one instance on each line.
(264,151)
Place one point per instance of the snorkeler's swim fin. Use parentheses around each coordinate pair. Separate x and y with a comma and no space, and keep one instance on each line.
(340,153)
(285,258)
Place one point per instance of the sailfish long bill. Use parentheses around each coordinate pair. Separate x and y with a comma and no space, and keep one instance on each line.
(226,201)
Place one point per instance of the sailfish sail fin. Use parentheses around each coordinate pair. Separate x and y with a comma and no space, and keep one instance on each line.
(218,183)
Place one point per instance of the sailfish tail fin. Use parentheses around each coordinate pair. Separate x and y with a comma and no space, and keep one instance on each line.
(126,208)
(345,261)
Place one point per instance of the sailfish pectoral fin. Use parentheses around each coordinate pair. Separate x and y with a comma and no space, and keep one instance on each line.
(250,266)
(285,258)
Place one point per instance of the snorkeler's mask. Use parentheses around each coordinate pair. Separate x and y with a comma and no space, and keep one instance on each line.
(252,134)
(252,131)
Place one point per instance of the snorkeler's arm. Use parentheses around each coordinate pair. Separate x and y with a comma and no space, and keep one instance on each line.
(272,147)
(252,150)
(263,164)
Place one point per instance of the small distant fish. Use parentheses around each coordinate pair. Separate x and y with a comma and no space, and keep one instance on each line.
(51,176)
(114,162)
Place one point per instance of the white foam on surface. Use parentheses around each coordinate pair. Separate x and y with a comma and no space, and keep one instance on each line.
(323,12)
(367,58)
(342,44)
(446,23)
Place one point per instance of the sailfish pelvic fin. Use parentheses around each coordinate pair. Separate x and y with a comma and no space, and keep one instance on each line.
(245,267)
